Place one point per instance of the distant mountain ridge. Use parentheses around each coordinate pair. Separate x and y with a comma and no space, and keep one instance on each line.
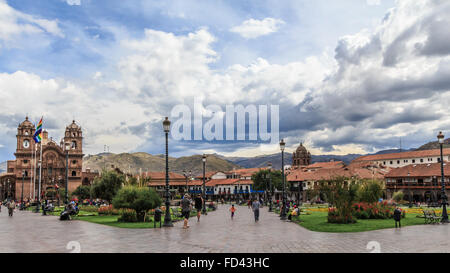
(435,145)
(143,162)
(275,159)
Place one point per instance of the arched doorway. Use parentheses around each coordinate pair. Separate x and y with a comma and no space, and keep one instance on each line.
(86,182)
(7,187)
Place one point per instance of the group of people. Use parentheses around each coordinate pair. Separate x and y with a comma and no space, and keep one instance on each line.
(186,207)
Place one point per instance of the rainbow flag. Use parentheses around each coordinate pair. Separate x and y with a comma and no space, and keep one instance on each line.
(38,134)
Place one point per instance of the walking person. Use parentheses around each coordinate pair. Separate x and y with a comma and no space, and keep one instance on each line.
(11,207)
(233,210)
(397,217)
(255,207)
(198,206)
(249,204)
(186,209)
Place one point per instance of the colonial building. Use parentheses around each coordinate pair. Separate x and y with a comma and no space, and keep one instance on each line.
(301,157)
(418,182)
(395,160)
(21,174)
(310,177)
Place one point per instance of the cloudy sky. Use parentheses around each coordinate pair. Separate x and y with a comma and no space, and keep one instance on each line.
(350,76)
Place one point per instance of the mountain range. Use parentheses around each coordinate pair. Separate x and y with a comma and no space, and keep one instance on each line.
(142,162)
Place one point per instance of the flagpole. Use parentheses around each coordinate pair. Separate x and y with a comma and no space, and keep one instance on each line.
(32,170)
(40,173)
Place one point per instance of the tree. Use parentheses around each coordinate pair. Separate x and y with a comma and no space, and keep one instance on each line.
(140,199)
(131,181)
(371,191)
(398,196)
(83,192)
(259,183)
(107,186)
(341,193)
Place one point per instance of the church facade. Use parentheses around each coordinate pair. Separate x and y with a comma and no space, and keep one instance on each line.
(301,157)
(21,177)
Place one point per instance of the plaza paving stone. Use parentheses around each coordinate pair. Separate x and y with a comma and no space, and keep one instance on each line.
(215,233)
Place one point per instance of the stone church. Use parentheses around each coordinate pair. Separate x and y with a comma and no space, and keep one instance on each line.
(301,157)
(54,155)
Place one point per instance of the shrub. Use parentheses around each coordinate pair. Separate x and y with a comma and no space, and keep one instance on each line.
(128,215)
(108,210)
(89,208)
(398,196)
(107,186)
(337,217)
(140,200)
(370,192)
(377,210)
(83,192)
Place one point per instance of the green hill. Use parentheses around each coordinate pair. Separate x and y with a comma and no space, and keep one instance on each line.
(136,162)
(434,145)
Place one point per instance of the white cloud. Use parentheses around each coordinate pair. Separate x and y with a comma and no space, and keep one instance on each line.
(382,84)
(373,2)
(73,2)
(253,28)
(13,24)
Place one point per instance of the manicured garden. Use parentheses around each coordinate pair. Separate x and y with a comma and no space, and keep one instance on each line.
(317,221)
(355,208)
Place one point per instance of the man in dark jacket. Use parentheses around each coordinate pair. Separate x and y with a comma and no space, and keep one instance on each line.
(397,217)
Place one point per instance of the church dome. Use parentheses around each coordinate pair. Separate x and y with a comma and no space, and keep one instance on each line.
(301,149)
(301,157)
(26,123)
(73,126)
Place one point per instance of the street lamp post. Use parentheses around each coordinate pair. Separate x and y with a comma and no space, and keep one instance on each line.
(409,190)
(38,201)
(66,193)
(204,186)
(21,194)
(270,187)
(167,217)
(283,205)
(444,195)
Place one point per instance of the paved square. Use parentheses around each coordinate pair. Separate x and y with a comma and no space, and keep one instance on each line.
(30,232)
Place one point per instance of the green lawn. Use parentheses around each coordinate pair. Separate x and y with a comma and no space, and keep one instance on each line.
(317,221)
(112,221)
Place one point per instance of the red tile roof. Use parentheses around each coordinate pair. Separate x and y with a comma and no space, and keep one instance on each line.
(215,182)
(244,182)
(330,173)
(208,175)
(326,165)
(245,172)
(419,170)
(411,154)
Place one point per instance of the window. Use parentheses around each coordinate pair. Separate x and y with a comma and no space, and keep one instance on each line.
(405,161)
(398,161)
(74,162)
(74,144)
(421,160)
(25,161)
(413,161)
(391,162)
(74,173)
(438,160)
